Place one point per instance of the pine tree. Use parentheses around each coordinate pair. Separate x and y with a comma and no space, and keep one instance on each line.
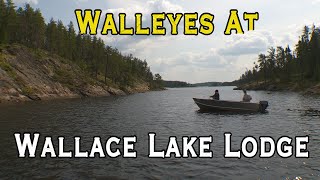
(38,30)
(27,19)
(314,54)
(61,39)
(12,25)
(51,36)
(71,47)
(288,64)
(262,60)
(271,62)
(3,22)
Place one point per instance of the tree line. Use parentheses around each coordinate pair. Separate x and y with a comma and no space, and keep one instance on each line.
(282,64)
(26,26)
(181,84)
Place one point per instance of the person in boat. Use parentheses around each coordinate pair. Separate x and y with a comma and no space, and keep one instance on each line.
(246,97)
(216,95)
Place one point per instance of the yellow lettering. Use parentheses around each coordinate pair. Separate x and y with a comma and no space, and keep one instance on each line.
(139,29)
(233,23)
(174,21)
(122,25)
(207,26)
(109,24)
(88,21)
(251,17)
(157,24)
(190,23)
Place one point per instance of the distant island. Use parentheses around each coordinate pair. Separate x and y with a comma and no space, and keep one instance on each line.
(285,69)
(181,84)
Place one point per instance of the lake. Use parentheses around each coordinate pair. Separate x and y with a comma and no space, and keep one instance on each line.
(167,113)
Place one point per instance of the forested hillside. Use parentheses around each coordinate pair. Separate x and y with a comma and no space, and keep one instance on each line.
(282,65)
(26,26)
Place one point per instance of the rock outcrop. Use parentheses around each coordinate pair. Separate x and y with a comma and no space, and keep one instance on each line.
(27,74)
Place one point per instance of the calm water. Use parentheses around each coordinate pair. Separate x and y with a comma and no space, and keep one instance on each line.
(167,113)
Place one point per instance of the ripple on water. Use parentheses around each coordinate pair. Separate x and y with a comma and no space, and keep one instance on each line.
(167,113)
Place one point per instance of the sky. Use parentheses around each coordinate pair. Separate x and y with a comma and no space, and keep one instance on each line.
(193,59)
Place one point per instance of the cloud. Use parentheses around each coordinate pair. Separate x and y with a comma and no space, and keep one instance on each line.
(25,1)
(146,8)
(136,44)
(175,66)
(250,43)
(315,1)
(209,59)
(206,62)
(193,66)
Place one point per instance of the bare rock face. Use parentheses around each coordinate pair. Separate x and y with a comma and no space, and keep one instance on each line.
(94,91)
(27,77)
(115,91)
(138,88)
(27,74)
(315,90)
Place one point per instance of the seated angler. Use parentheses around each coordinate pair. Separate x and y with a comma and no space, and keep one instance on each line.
(216,95)
(246,97)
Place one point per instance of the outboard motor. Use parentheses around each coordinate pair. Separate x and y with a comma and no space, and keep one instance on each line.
(263,106)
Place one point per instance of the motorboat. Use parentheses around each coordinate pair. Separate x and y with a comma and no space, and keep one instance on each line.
(211,105)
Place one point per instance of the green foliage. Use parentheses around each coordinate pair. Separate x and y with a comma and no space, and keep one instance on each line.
(63,76)
(301,66)
(27,26)
(5,66)
(26,90)
(157,82)
(9,70)
(39,54)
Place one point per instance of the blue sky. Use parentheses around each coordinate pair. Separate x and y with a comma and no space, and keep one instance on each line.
(198,58)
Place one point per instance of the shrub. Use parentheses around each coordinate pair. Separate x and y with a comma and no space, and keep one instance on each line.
(26,90)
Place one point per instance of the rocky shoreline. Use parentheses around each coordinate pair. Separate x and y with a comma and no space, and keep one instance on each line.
(306,88)
(32,75)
